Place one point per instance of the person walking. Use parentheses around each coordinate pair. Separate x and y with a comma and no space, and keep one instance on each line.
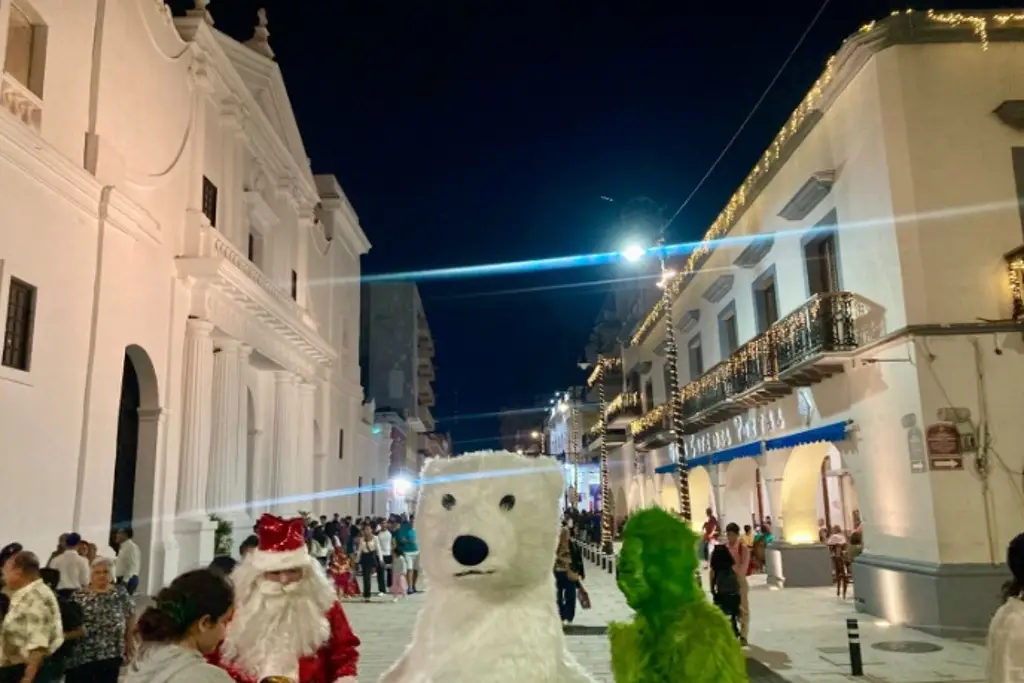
(1006,630)
(741,558)
(725,585)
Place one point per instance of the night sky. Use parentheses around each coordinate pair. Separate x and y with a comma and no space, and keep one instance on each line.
(469,132)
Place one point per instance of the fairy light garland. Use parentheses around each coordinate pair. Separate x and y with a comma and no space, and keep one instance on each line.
(980,24)
(603,365)
(607,513)
(624,401)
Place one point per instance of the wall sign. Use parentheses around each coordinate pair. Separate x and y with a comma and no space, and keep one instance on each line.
(944,452)
(915,444)
(742,429)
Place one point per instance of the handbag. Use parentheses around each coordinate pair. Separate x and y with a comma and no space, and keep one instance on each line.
(584,596)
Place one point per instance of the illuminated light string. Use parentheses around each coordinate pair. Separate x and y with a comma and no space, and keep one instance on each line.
(739,201)
(760,349)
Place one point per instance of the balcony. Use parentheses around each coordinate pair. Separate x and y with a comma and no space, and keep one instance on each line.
(592,439)
(21,102)
(425,345)
(653,430)
(806,347)
(425,370)
(624,409)
(425,394)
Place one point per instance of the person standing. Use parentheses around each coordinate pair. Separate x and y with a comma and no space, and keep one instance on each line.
(386,543)
(108,614)
(73,568)
(709,535)
(741,557)
(369,559)
(129,560)
(32,630)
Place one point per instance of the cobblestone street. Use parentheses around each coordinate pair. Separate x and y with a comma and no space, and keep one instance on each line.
(796,634)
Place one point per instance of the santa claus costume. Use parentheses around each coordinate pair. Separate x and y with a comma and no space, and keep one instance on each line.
(286,627)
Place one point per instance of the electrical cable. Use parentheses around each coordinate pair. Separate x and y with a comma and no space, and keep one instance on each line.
(743,125)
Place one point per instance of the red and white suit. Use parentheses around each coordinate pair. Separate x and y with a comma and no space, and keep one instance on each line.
(285,606)
(336,659)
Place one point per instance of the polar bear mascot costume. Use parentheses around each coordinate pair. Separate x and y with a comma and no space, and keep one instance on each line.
(488,526)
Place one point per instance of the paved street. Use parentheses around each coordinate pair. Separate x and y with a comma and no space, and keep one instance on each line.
(800,634)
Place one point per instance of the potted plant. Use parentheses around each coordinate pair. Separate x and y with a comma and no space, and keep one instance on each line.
(221,535)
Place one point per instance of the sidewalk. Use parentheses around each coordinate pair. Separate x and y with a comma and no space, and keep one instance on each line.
(800,634)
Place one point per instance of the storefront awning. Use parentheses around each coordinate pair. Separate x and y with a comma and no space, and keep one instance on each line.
(830,432)
(747,450)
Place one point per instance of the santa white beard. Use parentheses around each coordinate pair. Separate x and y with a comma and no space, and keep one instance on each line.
(275,625)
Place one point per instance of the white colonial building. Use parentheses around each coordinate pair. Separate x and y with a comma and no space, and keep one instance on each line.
(849,333)
(181,292)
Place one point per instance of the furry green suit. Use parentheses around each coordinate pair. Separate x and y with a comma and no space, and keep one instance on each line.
(677,635)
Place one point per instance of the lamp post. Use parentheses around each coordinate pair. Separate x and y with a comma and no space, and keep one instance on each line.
(634,253)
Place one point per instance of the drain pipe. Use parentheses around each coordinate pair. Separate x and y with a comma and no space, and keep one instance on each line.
(89,159)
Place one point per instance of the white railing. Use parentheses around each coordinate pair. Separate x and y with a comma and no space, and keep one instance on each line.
(20,101)
(216,244)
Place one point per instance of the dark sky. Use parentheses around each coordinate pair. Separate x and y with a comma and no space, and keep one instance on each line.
(478,131)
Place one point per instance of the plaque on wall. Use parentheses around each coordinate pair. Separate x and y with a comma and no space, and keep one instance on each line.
(944,452)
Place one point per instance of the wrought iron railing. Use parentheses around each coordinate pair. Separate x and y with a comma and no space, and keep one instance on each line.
(627,404)
(835,322)
(652,423)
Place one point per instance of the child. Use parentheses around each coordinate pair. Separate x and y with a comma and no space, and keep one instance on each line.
(725,585)
(341,572)
(399,586)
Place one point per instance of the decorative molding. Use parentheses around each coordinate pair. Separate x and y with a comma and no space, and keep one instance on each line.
(811,193)
(223,268)
(755,251)
(717,290)
(260,212)
(689,320)
(40,161)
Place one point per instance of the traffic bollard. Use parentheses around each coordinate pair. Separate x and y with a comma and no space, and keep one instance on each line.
(853,638)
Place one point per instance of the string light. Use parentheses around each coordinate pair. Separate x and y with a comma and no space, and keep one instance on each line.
(603,364)
(738,203)
(1016,270)
(729,377)
(622,402)
(607,513)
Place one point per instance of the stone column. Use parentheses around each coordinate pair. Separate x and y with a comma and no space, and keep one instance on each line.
(285,442)
(305,481)
(193,531)
(197,394)
(239,494)
(224,444)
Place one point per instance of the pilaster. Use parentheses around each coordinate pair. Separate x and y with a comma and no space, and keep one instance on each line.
(285,441)
(197,395)
(305,479)
(240,492)
(224,444)
(5,18)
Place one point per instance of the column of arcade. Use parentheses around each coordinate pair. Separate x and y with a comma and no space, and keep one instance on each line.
(213,474)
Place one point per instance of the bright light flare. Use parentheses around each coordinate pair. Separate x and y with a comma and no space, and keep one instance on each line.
(633,252)
(401,486)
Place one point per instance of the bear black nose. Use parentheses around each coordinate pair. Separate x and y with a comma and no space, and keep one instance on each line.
(470,551)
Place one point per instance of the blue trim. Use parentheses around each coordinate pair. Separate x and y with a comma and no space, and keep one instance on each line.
(747,450)
(830,432)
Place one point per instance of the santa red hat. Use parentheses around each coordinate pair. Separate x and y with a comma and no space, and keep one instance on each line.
(282,544)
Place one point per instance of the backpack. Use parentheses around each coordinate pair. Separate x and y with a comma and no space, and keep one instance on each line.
(726,582)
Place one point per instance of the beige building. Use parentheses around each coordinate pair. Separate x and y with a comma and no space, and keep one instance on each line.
(849,332)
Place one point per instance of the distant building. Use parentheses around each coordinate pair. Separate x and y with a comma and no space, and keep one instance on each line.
(396,360)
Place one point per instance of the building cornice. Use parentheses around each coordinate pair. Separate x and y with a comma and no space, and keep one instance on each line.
(24,149)
(255,121)
(900,28)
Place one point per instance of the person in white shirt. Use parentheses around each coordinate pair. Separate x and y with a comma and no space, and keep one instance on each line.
(1006,630)
(384,541)
(74,569)
(129,560)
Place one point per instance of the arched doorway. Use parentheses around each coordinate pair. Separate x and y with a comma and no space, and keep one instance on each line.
(134,501)
(815,487)
(700,494)
(741,492)
(668,496)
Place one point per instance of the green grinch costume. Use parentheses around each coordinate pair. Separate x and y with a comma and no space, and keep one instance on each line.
(677,635)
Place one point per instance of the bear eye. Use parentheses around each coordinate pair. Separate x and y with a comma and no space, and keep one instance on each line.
(507,502)
(447,501)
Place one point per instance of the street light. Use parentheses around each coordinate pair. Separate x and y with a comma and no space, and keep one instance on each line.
(633,252)
(672,364)
(401,486)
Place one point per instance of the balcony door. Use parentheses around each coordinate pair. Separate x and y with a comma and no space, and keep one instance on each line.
(821,257)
